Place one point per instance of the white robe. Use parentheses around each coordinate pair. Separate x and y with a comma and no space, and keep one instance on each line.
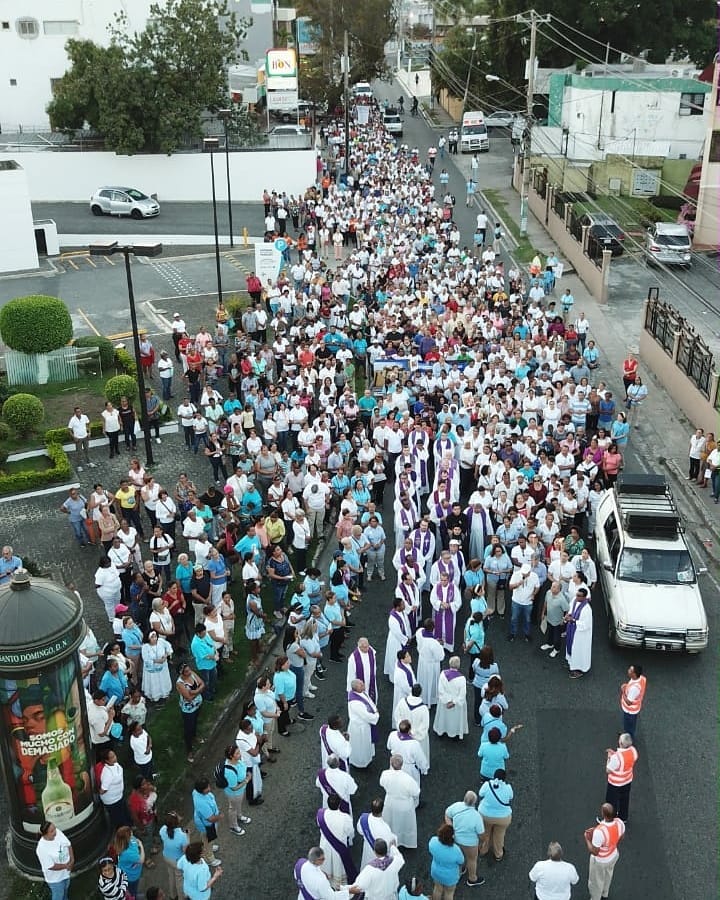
(338,743)
(414,761)
(381,884)
(581,657)
(378,828)
(431,653)
(341,825)
(424,543)
(410,593)
(360,718)
(454,721)
(451,567)
(402,794)
(402,564)
(478,533)
(364,676)
(418,715)
(398,637)
(342,784)
(317,884)
(401,688)
(440,595)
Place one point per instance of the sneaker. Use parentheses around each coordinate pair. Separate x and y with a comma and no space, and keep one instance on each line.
(546,646)
(306,716)
(527,639)
(238,830)
(246,820)
(79,468)
(93,465)
(158,441)
(215,848)
(215,863)
(553,653)
(511,638)
(476,883)
(319,675)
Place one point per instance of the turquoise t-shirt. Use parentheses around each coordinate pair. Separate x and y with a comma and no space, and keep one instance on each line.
(446,862)
(173,847)
(493,757)
(235,773)
(195,879)
(285,683)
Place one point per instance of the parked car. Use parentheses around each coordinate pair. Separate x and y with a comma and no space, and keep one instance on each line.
(649,582)
(362,89)
(392,121)
(123,201)
(290,130)
(604,233)
(668,243)
(501,118)
(303,110)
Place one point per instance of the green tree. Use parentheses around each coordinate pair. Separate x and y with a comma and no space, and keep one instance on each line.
(149,90)
(121,386)
(35,324)
(370,25)
(23,412)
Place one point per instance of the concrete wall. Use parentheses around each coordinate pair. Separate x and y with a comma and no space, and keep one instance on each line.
(421,88)
(17,236)
(73,177)
(451,104)
(594,278)
(695,405)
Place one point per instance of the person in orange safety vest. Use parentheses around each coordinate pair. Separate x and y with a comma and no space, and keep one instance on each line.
(619,769)
(602,842)
(632,694)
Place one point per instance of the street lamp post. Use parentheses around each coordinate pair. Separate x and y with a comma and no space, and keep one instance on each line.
(107,248)
(225,115)
(211,145)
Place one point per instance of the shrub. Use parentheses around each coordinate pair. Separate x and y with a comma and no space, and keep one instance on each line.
(107,351)
(5,431)
(28,481)
(35,324)
(23,412)
(121,386)
(125,362)
(62,435)
(236,304)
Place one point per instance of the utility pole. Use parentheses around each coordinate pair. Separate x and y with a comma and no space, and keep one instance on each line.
(346,91)
(527,134)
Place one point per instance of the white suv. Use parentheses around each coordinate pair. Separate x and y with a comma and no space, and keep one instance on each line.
(648,577)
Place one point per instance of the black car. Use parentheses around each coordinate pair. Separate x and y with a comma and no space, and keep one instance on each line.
(604,233)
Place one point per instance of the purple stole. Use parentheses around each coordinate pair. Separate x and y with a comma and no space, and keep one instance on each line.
(408,673)
(298,880)
(469,516)
(359,668)
(425,538)
(445,618)
(571,627)
(452,673)
(407,595)
(448,570)
(443,444)
(406,519)
(329,789)
(381,862)
(404,556)
(404,737)
(353,695)
(401,622)
(427,634)
(341,849)
(365,826)
(422,462)
(329,750)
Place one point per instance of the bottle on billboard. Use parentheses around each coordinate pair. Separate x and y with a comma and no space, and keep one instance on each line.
(57,798)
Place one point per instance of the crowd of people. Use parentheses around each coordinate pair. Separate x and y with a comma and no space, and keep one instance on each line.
(437,418)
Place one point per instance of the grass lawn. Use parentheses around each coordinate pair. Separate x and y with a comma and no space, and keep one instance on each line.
(59,400)
(525,251)
(633,214)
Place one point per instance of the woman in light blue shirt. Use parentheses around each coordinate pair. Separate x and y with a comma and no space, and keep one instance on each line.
(495,807)
(285,686)
(197,880)
(447,858)
(174,842)
(620,430)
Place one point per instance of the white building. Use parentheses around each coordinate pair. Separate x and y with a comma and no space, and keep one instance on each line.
(629,114)
(33,34)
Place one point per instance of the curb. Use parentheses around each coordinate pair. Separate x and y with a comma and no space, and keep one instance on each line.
(702,513)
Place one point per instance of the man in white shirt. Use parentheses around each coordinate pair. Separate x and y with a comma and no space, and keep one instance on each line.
(78,426)
(524,585)
(553,877)
(178,330)
(166,370)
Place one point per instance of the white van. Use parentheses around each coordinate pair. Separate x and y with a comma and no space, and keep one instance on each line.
(668,243)
(474,133)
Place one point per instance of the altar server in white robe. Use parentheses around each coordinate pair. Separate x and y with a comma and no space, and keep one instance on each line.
(379,879)
(333,739)
(312,881)
(371,826)
(407,559)
(363,717)
(578,634)
(446,600)
(445,566)
(403,680)
(416,711)
(408,590)
(362,664)
(402,743)
(337,832)
(405,518)
(398,636)
(451,713)
(402,794)
(332,780)
(431,654)
(423,540)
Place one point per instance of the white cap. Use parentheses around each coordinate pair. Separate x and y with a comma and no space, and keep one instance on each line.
(525,569)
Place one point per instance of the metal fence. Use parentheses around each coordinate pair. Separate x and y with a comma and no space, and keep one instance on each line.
(696,360)
(41,368)
(662,321)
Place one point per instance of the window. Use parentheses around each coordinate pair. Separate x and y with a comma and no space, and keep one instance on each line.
(54,85)
(59,27)
(13,82)
(27,28)
(692,104)
(6,26)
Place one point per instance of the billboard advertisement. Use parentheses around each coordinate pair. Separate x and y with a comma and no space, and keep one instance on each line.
(308,36)
(47,747)
(281,69)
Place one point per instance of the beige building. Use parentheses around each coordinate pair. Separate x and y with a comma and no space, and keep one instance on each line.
(707,219)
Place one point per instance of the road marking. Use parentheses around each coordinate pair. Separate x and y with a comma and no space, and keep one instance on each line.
(76,267)
(125,334)
(157,317)
(91,262)
(88,322)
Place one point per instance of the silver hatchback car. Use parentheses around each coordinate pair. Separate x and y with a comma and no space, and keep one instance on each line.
(123,201)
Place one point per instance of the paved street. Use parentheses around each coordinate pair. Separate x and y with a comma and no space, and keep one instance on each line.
(557,761)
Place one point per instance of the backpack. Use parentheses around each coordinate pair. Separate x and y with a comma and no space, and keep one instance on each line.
(219,774)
